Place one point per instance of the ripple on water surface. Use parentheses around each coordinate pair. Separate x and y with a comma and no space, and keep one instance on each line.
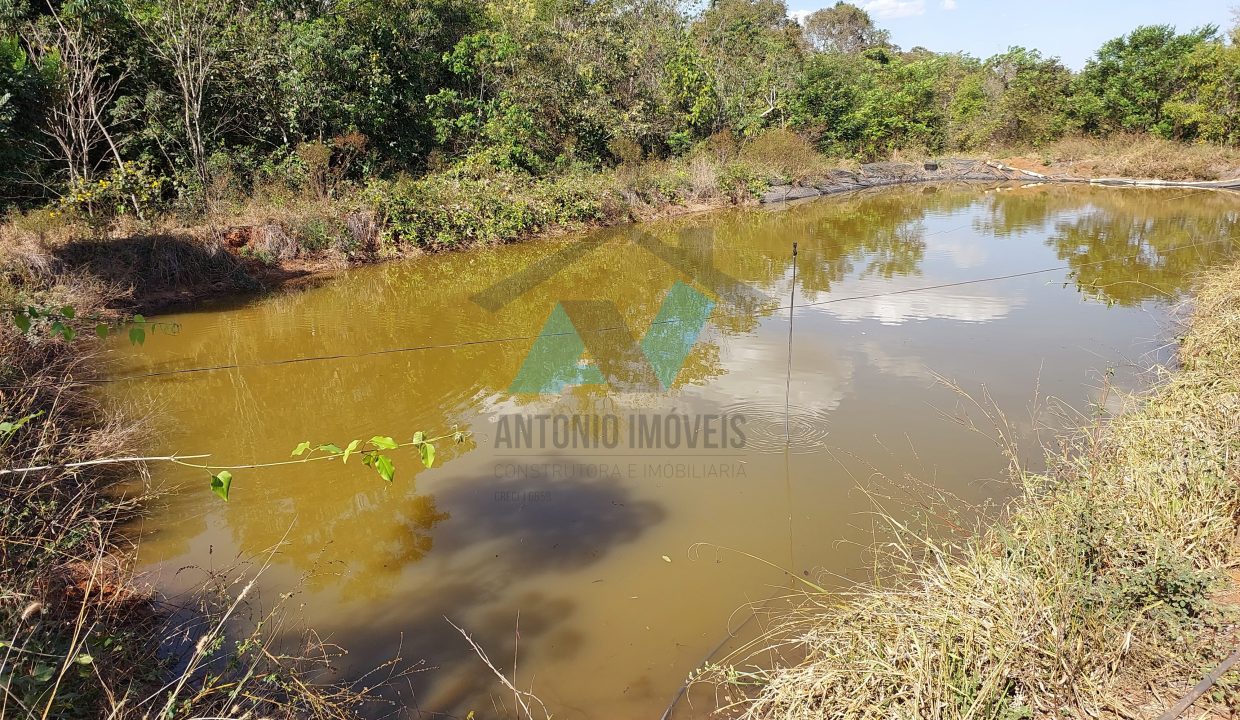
(769,429)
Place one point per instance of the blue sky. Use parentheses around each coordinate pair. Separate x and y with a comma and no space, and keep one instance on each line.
(1071,30)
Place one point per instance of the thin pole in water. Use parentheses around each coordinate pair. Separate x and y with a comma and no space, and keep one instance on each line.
(792,303)
(684,687)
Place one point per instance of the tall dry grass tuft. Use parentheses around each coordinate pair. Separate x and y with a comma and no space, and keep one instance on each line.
(703,179)
(784,156)
(1141,156)
(1095,587)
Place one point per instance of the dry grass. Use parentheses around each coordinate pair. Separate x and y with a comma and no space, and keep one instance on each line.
(722,170)
(59,582)
(232,249)
(785,156)
(1095,586)
(1139,156)
(703,179)
(141,270)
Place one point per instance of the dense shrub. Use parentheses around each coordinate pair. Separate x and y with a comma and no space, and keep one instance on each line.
(132,189)
(442,211)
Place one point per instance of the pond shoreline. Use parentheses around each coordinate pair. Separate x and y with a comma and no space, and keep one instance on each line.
(168,267)
(245,273)
(177,267)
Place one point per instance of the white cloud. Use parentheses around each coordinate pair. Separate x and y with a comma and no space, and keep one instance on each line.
(905,366)
(899,309)
(963,254)
(925,306)
(800,15)
(949,4)
(894,8)
(962,304)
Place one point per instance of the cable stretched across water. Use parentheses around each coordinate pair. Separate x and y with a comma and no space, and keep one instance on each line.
(614,328)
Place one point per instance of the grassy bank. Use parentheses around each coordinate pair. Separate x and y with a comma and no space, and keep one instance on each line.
(271,234)
(63,593)
(1127,155)
(275,234)
(1097,594)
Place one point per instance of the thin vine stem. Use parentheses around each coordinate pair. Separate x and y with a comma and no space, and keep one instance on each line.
(180,460)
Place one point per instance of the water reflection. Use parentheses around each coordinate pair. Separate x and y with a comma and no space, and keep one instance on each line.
(608,627)
(967,305)
(1124,246)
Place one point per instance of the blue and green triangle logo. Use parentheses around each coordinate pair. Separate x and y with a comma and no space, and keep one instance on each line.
(618,359)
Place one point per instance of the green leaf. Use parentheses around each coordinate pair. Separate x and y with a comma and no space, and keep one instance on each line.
(383,442)
(427,450)
(68,333)
(352,448)
(139,319)
(221,483)
(332,448)
(137,335)
(68,311)
(8,428)
(84,659)
(43,672)
(101,330)
(22,321)
(301,449)
(385,468)
(419,437)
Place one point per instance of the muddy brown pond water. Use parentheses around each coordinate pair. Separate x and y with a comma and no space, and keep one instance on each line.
(594,546)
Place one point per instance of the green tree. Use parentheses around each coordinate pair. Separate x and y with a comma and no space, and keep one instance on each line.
(827,97)
(1130,80)
(485,111)
(755,53)
(559,81)
(871,104)
(1207,107)
(23,93)
(843,28)
(1034,98)
(691,90)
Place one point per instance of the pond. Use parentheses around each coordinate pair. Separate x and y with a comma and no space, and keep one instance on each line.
(665,405)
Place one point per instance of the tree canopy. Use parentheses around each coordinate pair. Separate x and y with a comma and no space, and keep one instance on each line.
(148,102)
